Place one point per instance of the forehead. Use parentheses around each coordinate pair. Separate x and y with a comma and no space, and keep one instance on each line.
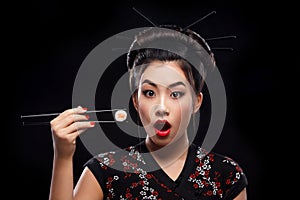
(164,73)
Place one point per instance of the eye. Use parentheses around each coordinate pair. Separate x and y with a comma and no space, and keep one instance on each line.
(176,94)
(149,93)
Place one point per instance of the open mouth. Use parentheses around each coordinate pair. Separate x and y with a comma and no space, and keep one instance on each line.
(162,128)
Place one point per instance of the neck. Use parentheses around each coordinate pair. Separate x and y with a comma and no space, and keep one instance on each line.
(168,154)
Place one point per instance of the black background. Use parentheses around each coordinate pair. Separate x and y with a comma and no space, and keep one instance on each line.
(56,36)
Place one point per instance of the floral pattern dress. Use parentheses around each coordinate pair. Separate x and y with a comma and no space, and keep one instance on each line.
(130,175)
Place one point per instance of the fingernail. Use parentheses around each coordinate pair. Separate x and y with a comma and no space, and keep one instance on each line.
(85,109)
(92,123)
(87,116)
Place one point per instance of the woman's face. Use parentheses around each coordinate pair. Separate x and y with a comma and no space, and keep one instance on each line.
(165,102)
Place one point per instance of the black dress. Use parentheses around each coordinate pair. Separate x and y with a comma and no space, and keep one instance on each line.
(129,175)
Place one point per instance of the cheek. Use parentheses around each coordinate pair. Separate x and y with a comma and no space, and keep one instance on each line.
(184,106)
(183,111)
(144,110)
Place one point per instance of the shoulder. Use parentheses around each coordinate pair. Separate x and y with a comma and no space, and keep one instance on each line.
(217,161)
(225,164)
(221,171)
(220,167)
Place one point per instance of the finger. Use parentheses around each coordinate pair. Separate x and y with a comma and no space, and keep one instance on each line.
(77,134)
(78,126)
(67,114)
(65,121)
(81,127)
(71,132)
(78,110)
(70,119)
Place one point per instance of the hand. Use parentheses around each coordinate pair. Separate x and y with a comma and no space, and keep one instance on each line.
(66,127)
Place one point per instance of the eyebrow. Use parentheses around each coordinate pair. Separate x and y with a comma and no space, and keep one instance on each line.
(170,86)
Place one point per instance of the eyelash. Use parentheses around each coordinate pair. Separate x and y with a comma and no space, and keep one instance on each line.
(146,93)
(180,94)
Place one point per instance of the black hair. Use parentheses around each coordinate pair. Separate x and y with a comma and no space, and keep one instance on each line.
(183,44)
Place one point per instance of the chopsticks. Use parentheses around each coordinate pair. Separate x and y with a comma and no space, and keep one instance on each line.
(120,116)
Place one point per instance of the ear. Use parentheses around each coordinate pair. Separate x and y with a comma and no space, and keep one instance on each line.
(198,102)
(135,100)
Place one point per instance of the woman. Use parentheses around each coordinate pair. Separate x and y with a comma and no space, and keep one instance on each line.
(166,93)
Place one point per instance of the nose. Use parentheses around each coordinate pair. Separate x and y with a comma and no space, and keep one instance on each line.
(162,108)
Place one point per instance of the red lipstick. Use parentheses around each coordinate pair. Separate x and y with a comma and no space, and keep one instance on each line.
(162,128)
